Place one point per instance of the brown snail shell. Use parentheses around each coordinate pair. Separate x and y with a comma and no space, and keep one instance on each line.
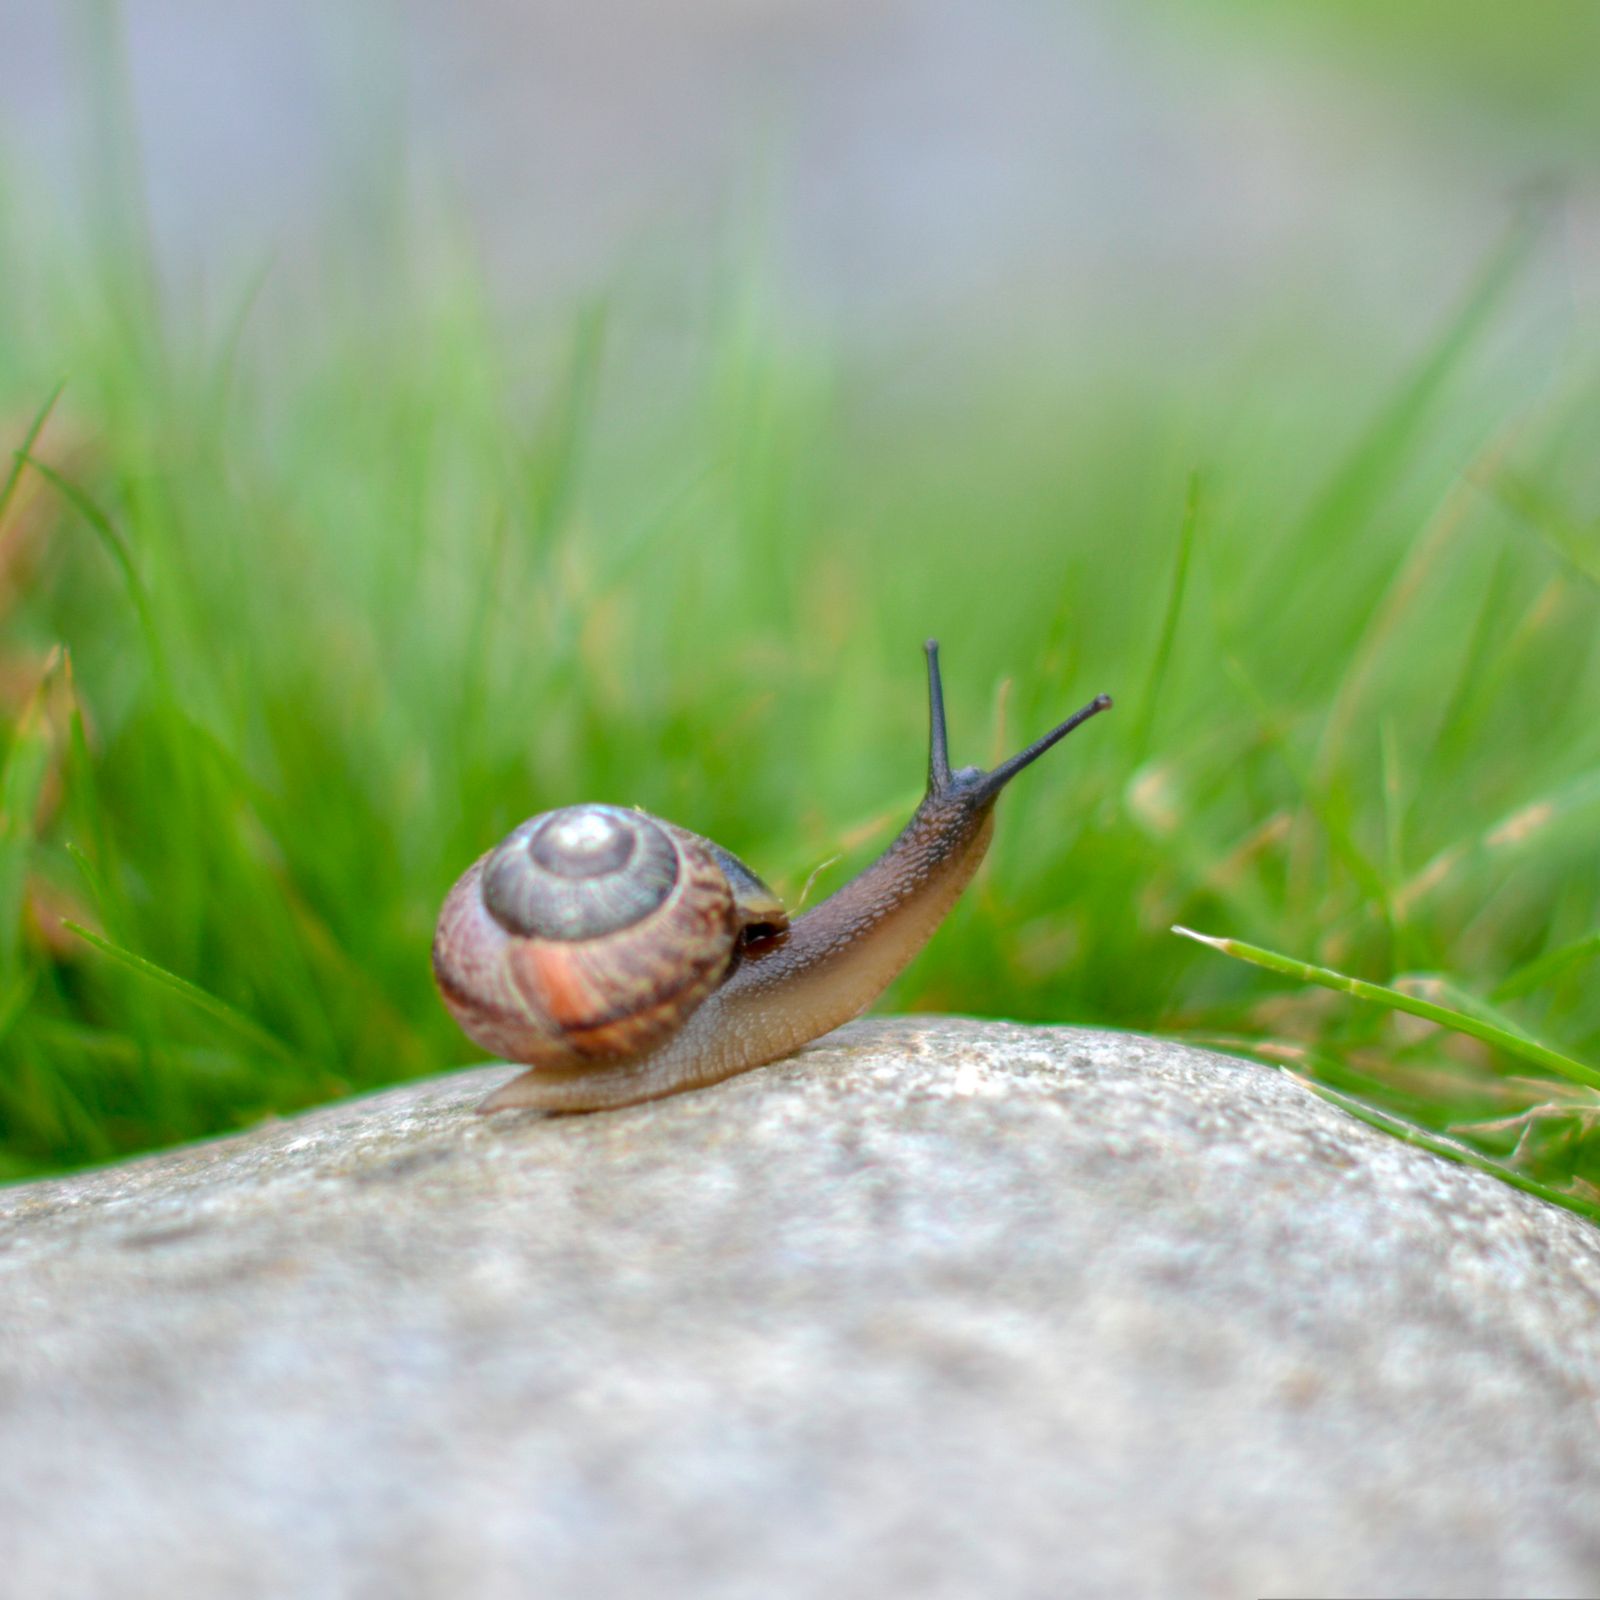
(589,933)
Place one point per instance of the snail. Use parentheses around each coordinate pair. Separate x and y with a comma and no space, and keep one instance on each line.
(621,958)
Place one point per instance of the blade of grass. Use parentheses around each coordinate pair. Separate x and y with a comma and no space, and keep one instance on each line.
(115,545)
(1379,457)
(553,468)
(22,780)
(95,860)
(1315,796)
(21,455)
(1534,509)
(1453,1149)
(1457,998)
(1393,431)
(1510,833)
(97,1048)
(201,999)
(1548,967)
(1377,994)
(1169,622)
(1473,677)
(92,514)
(16,1002)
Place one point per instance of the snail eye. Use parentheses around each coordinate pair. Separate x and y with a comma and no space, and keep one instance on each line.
(579,873)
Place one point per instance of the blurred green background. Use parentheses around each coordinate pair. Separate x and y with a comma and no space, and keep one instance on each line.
(417,417)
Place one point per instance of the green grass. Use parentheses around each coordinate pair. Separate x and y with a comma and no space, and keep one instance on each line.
(303,609)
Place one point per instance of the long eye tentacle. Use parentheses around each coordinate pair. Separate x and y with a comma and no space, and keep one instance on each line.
(990,783)
(993,782)
(938,743)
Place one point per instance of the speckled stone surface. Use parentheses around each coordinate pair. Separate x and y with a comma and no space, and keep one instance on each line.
(938,1308)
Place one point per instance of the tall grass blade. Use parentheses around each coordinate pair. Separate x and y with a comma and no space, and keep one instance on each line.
(1452,1149)
(1169,622)
(245,1027)
(19,456)
(22,780)
(1548,967)
(1513,1044)
(1392,433)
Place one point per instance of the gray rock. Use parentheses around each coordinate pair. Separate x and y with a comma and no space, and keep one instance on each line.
(937,1308)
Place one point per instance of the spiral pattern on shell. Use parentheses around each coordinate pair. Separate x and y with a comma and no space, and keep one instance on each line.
(590,933)
(579,873)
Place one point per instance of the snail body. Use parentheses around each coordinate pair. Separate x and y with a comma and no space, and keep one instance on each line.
(621,958)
